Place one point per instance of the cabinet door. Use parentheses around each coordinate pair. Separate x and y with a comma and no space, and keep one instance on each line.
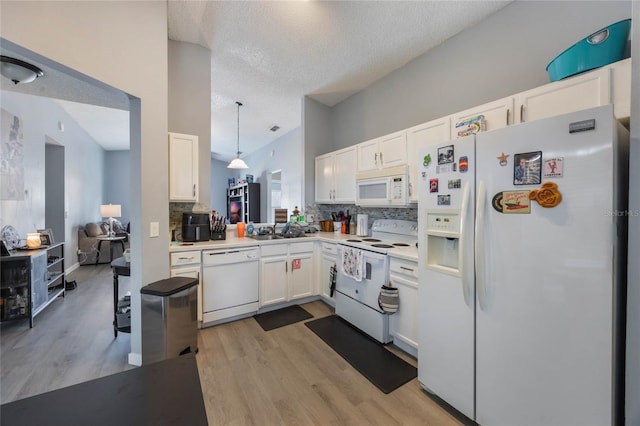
(324,178)
(273,280)
(403,325)
(393,150)
(497,114)
(344,177)
(421,136)
(574,94)
(183,167)
(300,275)
(368,155)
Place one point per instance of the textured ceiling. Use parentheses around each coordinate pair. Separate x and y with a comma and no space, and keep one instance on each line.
(269,54)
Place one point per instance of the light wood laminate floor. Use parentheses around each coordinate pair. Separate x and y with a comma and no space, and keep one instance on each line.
(286,376)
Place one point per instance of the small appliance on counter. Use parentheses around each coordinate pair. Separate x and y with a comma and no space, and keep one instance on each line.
(196,227)
(362,225)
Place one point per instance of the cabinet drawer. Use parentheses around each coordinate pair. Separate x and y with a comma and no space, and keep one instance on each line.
(329,249)
(404,268)
(274,249)
(306,247)
(185,258)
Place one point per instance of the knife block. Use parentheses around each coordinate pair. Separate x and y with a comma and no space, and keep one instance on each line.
(219,235)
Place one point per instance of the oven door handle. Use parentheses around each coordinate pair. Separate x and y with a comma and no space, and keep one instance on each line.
(367,254)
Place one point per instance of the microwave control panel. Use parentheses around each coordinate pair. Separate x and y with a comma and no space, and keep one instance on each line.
(397,188)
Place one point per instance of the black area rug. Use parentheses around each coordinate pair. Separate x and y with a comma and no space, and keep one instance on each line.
(370,358)
(281,317)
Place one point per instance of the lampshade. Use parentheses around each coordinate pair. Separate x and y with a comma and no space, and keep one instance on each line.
(238,163)
(110,210)
(19,71)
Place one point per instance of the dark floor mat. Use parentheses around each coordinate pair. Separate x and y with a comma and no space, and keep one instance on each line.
(370,358)
(281,317)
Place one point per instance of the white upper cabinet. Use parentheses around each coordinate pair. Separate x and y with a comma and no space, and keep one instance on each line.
(383,152)
(418,137)
(495,115)
(561,97)
(335,177)
(183,167)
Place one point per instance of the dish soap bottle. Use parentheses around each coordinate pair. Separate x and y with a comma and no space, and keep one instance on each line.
(352,226)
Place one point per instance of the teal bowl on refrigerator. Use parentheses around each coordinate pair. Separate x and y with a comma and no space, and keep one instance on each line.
(601,48)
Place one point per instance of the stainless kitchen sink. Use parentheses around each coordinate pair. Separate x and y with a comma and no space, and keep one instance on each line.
(266,237)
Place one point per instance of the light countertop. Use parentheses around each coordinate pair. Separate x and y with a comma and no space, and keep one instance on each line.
(232,241)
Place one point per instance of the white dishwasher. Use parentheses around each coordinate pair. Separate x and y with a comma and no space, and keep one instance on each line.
(229,283)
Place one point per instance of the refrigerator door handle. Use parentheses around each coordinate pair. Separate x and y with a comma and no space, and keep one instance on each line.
(464,267)
(480,264)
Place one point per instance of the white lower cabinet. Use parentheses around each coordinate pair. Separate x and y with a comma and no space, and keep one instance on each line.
(187,264)
(286,272)
(328,258)
(403,325)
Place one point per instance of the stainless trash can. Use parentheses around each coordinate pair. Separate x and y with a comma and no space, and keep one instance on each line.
(169,318)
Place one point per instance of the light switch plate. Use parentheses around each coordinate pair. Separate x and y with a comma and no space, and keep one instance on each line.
(154,229)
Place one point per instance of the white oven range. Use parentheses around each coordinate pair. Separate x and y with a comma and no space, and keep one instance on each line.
(357,290)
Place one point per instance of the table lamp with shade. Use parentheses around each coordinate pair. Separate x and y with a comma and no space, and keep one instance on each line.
(110,211)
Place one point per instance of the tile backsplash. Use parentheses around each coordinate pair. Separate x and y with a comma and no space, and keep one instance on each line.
(323,212)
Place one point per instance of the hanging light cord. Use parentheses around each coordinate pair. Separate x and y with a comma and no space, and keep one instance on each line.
(239,105)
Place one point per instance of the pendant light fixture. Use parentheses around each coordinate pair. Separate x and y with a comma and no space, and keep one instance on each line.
(18,71)
(237,162)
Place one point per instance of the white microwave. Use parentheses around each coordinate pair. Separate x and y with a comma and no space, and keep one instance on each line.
(383,188)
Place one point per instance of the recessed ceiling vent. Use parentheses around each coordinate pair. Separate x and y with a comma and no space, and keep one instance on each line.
(275,128)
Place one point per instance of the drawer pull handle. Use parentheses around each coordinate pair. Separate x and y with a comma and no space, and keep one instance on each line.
(186,258)
(406,269)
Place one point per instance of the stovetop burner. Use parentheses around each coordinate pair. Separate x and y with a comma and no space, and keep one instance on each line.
(401,244)
(382,245)
(371,240)
(354,241)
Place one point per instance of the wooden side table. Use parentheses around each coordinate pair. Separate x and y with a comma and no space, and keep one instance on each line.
(120,267)
(112,240)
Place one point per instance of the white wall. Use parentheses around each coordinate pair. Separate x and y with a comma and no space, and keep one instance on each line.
(84,169)
(124,45)
(318,139)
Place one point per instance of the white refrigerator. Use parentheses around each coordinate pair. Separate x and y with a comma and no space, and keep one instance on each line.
(522,258)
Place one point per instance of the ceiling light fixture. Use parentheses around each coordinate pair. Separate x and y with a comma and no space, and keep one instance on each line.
(237,162)
(19,71)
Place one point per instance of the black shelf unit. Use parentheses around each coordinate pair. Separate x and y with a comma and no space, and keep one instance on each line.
(30,281)
(247,195)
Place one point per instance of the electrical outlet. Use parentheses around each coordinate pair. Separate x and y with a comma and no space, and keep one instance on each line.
(310,218)
(79,251)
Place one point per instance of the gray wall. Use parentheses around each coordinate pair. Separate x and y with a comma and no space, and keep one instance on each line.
(500,56)
(318,139)
(190,103)
(124,46)
(54,198)
(285,153)
(219,185)
(117,182)
(633,297)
